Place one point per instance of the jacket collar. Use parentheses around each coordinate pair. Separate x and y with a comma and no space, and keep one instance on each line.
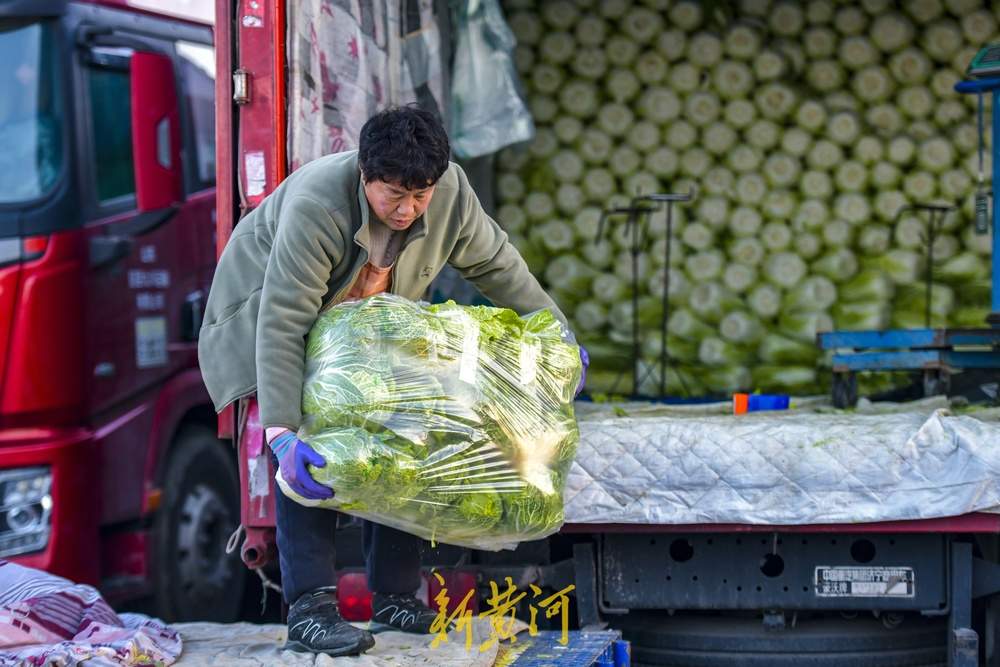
(363,236)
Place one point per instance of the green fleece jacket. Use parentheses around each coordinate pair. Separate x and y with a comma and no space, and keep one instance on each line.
(301,250)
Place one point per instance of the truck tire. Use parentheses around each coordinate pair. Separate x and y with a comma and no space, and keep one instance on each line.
(194,578)
(717,641)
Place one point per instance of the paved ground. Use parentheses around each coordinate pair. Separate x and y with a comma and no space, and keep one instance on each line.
(251,645)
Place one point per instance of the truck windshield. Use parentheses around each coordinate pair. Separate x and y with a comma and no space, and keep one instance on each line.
(31,144)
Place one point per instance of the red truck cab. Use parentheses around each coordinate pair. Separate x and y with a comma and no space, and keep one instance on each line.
(110,471)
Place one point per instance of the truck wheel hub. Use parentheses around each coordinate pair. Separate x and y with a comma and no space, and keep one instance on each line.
(201,556)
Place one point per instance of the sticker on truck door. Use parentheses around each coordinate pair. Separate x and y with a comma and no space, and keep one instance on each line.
(865,582)
(150,342)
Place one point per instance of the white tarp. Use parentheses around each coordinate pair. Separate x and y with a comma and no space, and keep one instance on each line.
(695,465)
(250,645)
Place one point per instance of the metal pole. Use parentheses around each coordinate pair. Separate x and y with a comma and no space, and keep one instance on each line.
(666,304)
(991,85)
(930,267)
(633,220)
(963,642)
(994,317)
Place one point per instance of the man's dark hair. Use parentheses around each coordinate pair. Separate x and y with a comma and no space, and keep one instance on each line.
(404,145)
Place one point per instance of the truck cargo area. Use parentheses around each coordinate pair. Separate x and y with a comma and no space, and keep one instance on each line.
(843,531)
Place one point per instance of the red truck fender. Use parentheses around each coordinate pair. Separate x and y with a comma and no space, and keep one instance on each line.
(182,399)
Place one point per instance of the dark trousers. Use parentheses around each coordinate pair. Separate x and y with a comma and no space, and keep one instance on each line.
(306,552)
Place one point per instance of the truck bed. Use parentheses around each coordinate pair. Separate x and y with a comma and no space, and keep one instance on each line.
(652,464)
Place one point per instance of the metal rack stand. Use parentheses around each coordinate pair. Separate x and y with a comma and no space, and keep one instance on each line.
(639,207)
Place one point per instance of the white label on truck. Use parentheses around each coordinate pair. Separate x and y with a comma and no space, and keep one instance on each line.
(150,341)
(148,301)
(865,582)
(151,279)
(253,162)
(258,479)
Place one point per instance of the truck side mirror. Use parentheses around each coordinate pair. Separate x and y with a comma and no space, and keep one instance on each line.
(156,131)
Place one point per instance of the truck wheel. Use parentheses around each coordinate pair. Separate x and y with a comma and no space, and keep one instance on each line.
(194,578)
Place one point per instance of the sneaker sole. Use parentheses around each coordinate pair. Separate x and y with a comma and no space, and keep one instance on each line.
(377,628)
(356,649)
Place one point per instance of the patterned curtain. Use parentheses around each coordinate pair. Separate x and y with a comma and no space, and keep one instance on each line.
(350,58)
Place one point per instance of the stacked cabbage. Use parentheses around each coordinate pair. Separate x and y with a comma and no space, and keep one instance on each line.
(806,127)
(454,423)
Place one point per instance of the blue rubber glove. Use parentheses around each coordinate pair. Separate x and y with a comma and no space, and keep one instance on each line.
(585,360)
(293,455)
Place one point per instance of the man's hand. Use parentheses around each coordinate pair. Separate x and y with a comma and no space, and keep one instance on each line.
(293,455)
(585,361)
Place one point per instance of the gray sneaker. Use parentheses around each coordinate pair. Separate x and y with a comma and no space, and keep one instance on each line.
(398,611)
(316,626)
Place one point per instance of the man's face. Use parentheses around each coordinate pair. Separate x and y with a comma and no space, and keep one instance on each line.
(395,205)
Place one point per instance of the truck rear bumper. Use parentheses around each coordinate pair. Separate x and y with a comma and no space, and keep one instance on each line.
(72,549)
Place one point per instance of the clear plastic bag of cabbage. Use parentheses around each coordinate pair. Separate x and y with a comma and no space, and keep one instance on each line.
(454,423)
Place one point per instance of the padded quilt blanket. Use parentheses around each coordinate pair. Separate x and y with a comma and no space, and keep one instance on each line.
(680,465)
